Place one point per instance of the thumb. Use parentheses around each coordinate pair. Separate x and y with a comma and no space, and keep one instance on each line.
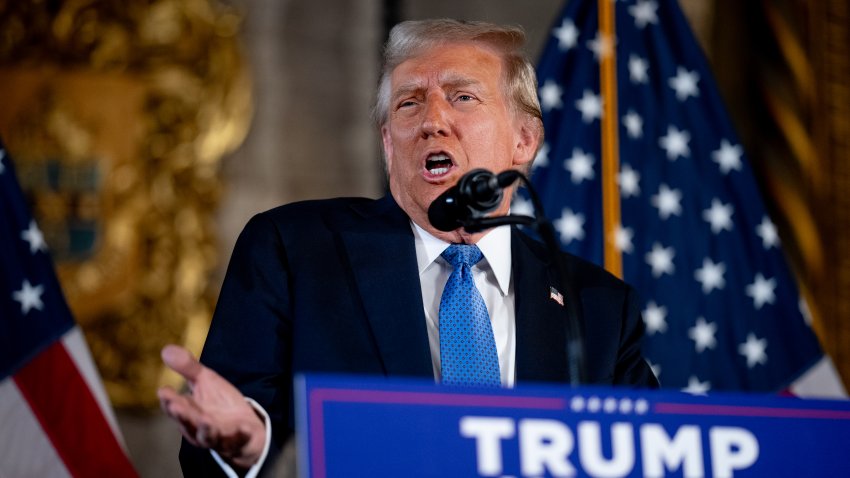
(181,361)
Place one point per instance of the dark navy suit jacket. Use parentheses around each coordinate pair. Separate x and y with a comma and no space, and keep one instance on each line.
(333,286)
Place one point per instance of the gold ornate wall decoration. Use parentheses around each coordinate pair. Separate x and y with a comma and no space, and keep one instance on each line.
(118,113)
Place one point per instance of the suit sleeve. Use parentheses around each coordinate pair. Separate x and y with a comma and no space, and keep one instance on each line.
(249,342)
(631,367)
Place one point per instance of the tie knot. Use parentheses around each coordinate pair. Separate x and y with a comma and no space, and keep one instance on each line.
(462,254)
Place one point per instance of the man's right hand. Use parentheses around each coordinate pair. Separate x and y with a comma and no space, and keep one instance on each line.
(213,413)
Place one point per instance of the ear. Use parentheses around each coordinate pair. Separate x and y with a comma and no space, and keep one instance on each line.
(387,141)
(529,133)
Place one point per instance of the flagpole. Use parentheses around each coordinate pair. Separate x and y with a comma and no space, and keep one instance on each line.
(610,140)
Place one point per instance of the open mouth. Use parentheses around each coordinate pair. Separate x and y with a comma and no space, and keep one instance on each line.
(438,164)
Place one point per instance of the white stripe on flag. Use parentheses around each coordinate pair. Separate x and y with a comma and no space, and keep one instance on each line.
(75,344)
(820,381)
(26,450)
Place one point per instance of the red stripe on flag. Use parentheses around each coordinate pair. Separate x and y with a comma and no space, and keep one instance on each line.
(70,415)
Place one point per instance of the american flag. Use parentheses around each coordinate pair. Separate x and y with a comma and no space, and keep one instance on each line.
(722,310)
(55,418)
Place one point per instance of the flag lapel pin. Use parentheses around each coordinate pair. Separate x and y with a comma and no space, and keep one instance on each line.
(556,296)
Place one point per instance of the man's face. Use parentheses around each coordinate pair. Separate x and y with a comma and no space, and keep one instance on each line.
(448,115)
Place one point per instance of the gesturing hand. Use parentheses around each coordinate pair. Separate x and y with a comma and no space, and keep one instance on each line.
(213,414)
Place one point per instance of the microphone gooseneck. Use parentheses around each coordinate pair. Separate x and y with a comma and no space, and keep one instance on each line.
(467,204)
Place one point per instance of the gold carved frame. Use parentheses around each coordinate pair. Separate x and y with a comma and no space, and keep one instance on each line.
(117,114)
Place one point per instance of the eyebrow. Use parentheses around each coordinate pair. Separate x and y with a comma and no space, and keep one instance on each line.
(449,82)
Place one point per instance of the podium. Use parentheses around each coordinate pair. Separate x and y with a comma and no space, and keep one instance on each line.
(355,426)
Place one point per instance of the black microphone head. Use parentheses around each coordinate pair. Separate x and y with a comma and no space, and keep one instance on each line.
(446,212)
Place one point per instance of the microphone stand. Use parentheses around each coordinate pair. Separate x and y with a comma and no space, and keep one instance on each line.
(575,335)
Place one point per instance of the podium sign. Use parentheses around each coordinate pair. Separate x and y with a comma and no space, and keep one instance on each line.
(353,426)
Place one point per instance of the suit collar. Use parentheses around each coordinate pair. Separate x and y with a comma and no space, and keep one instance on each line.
(382,257)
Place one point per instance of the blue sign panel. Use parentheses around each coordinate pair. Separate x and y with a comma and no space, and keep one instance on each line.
(381,428)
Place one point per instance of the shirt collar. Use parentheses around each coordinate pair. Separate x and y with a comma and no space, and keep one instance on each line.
(495,245)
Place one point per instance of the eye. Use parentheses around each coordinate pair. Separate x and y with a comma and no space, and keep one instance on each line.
(464,97)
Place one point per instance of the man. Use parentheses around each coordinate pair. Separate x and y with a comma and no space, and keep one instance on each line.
(357,285)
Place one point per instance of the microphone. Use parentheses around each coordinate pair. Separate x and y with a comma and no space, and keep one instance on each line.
(477,193)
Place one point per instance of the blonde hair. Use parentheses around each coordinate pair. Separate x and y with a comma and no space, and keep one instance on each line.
(411,38)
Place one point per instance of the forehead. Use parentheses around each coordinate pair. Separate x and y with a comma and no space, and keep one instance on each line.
(450,62)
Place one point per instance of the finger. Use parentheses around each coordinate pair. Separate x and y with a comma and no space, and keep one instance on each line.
(181,361)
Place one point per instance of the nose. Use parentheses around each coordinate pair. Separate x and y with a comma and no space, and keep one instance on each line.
(436,117)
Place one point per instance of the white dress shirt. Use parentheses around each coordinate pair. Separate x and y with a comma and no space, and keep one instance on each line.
(492,277)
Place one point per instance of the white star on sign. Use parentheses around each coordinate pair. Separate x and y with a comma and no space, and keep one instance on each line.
(762,291)
(644,13)
(767,232)
(623,239)
(719,215)
(629,181)
(567,35)
(634,124)
(710,275)
(29,297)
(590,106)
(754,350)
(675,142)
(728,156)
(703,335)
(602,45)
(685,83)
(542,158)
(638,69)
(668,201)
(655,318)
(570,225)
(695,387)
(580,166)
(661,260)
(34,237)
(550,95)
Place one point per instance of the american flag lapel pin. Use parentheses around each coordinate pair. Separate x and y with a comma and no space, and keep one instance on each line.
(556,296)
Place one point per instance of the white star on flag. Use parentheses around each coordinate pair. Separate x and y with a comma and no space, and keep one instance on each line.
(550,95)
(655,318)
(644,13)
(762,291)
(580,166)
(728,156)
(754,350)
(34,237)
(602,45)
(719,215)
(638,69)
(522,206)
(634,124)
(29,297)
(629,181)
(660,259)
(668,201)
(695,387)
(542,158)
(590,106)
(703,335)
(623,239)
(675,143)
(767,232)
(710,275)
(567,35)
(685,83)
(570,225)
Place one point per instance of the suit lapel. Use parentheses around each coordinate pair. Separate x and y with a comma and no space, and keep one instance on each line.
(540,320)
(382,257)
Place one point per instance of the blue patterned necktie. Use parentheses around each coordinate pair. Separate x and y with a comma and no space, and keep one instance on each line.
(467,348)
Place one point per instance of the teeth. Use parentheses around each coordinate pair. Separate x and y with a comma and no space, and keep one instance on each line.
(439,171)
(439,157)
